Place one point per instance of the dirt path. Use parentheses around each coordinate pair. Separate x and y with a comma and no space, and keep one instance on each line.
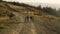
(28,28)
(18,28)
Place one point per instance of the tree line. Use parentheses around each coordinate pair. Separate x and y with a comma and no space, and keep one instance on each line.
(51,11)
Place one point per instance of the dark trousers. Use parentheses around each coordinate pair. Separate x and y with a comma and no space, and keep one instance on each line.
(27,18)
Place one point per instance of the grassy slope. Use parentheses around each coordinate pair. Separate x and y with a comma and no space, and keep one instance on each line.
(43,20)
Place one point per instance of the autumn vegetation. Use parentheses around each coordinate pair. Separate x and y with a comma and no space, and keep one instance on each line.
(12,13)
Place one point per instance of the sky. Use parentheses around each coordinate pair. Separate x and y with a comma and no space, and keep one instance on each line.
(39,1)
(43,3)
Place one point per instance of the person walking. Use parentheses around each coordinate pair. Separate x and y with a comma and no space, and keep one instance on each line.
(29,16)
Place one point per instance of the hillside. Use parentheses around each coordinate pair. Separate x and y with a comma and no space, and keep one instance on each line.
(12,20)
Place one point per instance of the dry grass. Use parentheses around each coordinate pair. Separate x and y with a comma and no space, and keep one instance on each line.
(46,24)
